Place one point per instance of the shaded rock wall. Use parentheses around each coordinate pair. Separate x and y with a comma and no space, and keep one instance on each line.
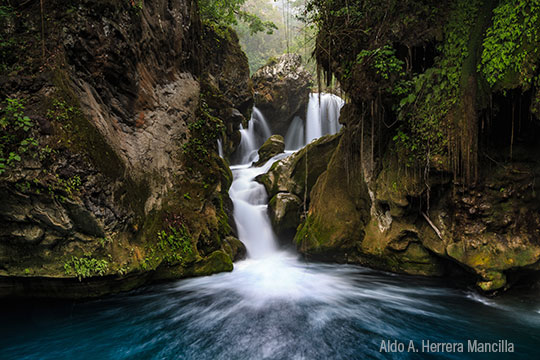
(124,184)
(426,186)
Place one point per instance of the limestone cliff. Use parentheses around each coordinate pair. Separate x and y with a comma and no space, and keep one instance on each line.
(434,172)
(115,179)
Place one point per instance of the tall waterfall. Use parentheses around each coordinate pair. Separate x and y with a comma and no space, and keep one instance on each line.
(322,118)
(249,197)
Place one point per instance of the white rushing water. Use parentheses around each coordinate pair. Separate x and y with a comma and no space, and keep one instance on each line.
(268,272)
(252,138)
(322,118)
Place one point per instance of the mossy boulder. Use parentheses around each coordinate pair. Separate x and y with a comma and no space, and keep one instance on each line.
(274,145)
(217,262)
(234,248)
(284,210)
(338,212)
(286,182)
(289,175)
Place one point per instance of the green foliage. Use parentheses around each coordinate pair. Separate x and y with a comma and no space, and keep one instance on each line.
(204,133)
(228,12)
(511,44)
(5,11)
(70,185)
(14,139)
(383,60)
(175,243)
(104,241)
(61,111)
(84,267)
(424,108)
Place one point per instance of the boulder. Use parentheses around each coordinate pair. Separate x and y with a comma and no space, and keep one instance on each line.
(338,212)
(274,145)
(282,90)
(285,210)
(286,182)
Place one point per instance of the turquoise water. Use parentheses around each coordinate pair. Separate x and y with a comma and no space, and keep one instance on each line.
(221,317)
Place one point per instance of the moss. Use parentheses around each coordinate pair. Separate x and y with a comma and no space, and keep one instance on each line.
(492,281)
(216,262)
(338,211)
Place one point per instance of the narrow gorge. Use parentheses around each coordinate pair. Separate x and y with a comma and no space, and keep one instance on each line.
(163,197)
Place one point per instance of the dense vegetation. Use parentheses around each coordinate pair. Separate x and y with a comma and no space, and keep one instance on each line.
(418,63)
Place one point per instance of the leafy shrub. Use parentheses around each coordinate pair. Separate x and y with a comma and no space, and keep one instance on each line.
(15,139)
(511,43)
(85,267)
(175,243)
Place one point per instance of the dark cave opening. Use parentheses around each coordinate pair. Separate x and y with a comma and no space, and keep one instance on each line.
(508,123)
(417,58)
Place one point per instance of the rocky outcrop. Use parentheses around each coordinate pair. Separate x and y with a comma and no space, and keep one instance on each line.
(288,184)
(431,175)
(285,210)
(490,231)
(120,182)
(273,146)
(282,90)
(226,82)
(338,212)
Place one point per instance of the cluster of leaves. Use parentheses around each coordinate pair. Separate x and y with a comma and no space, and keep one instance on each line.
(228,12)
(61,111)
(511,45)
(70,185)
(175,243)
(84,267)
(424,109)
(15,139)
(383,60)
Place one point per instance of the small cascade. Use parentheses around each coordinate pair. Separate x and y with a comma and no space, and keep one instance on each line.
(250,211)
(295,137)
(252,138)
(220,147)
(322,118)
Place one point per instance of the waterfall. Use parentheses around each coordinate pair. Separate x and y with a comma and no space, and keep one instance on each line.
(220,147)
(252,138)
(249,197)
(322,118)
(250,211)
(295,137)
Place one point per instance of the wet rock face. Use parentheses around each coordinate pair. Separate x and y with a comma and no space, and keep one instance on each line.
(274,145)
(286,182)
(496,226)
(227,77)
(490,231)
(285,211)
(282,90)
(115,106)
